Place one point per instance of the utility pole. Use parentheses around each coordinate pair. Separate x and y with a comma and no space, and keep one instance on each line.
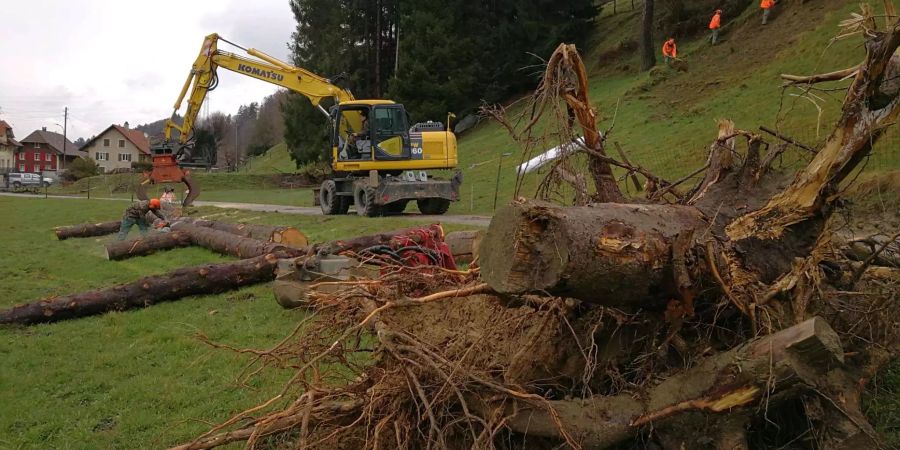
(65,125)
(397,46)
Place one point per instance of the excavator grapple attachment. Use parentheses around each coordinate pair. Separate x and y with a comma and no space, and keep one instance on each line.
(167,170)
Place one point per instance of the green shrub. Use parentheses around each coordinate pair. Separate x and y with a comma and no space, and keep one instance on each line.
(81,168)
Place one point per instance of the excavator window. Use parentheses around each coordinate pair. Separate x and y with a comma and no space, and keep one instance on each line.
(391,132)
(353,134)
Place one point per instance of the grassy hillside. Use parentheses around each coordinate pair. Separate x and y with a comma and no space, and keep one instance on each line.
(666,119)
(275,160)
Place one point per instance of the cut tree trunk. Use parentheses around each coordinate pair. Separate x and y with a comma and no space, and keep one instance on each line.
(614,254)
(464,245)
(87,230)
(289,236)
(229,244)
(146,245)
(759,369)
(147,291)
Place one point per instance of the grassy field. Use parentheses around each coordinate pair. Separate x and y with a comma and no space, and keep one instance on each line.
(136,379)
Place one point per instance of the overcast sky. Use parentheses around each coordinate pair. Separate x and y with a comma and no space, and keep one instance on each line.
(112,61)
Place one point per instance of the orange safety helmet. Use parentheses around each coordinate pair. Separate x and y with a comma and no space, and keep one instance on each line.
(154,203)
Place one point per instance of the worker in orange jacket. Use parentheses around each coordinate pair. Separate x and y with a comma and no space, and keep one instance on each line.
(714,24)
(669,51)
(766,6)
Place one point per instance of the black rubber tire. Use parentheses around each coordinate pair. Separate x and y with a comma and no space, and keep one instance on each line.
(395,208)
(45,184)
(365,203)
(17,185)
(433,206)
(330,202)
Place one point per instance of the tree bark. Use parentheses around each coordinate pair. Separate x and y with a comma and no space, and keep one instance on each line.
(648,49)
(146,245)
(230,244)
(614,254)
(757,370)
(87,230)
(147,291)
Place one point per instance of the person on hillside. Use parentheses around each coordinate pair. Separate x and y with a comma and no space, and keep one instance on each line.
(136,214)
(766,6)
(669,51)
(714,24)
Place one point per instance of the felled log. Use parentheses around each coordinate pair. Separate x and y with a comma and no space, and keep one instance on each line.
(614,254)
(87,230)
(464,245)
(147,291)
(803,353)
(203,279)
(229,244)
(289,236)
(146,245)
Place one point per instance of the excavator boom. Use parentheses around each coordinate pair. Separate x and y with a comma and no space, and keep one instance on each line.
(172,155)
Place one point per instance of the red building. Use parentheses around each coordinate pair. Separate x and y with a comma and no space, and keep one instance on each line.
(43,150)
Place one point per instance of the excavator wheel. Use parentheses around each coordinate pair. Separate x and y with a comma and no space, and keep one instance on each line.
(365,203)
(330,202)
(433,206)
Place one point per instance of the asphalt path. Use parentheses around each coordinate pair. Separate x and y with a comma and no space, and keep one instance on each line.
(461,219)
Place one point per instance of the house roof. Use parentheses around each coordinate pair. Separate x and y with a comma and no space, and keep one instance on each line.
(54,140)
(136,137)
(9,137)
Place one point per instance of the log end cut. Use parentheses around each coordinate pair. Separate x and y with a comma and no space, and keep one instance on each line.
(290,237)
(523,250)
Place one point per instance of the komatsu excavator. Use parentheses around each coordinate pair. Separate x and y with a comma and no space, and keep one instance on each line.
(379,162)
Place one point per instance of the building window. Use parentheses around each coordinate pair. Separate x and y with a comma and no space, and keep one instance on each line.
(37,145)
(125,157)
(21,167)
(48,157)
(106,142)
(121,143)
(101,156)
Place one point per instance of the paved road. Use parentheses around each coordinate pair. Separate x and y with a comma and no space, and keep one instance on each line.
(478,221)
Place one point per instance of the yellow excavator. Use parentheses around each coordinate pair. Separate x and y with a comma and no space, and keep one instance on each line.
(380,163)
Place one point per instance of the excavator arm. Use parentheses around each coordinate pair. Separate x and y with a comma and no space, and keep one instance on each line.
(203,78)
(259,65)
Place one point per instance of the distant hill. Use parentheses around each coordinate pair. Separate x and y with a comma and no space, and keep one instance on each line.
(155,129)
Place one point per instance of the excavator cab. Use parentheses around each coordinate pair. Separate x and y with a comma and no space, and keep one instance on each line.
(372,133)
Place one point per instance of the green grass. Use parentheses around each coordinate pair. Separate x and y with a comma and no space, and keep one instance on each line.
(135,379)
(275,160)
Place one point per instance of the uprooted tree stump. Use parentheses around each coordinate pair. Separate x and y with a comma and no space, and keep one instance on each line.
(697,319)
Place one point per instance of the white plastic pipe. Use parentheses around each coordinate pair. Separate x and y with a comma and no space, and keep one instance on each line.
(535,163)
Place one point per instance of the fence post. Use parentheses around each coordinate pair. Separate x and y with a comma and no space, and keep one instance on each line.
(89,187)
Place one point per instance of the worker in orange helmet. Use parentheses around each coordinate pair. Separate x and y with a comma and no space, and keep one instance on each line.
(669,51)
(137,214)
(714,24)
(766,6)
